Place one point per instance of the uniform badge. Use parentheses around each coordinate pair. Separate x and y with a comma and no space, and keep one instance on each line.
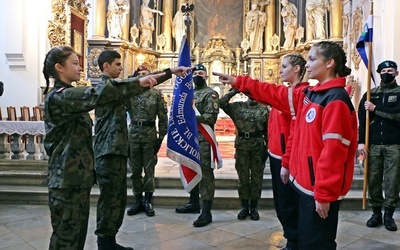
(213,96)
(216,105)
(311,114)
(392,98)
(61,90)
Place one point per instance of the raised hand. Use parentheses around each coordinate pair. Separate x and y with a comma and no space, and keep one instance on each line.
(150,80)
(225,78)
(181,70)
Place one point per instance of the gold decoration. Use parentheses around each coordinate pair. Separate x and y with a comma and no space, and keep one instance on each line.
(351,85)
(356,58)
(94,69)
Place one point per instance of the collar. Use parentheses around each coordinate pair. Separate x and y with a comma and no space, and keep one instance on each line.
(339,82)
(61,84)
(389,85)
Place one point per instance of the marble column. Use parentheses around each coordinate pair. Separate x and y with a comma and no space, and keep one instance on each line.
(336,21)
(167,9)
(99,21)
(270,27)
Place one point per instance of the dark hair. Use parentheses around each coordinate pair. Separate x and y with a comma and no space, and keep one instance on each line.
(297,59)
(56,55)
(331,50)
(107,56)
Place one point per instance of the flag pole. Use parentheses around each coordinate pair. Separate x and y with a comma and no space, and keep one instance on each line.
(186,10)
(366,162)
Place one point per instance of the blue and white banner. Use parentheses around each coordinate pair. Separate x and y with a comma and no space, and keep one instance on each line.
(182,141)
(364,44)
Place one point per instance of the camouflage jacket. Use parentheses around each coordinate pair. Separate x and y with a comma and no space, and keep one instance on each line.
(111,131)
(68,139)
(147,107)
(206,102)
(248,117)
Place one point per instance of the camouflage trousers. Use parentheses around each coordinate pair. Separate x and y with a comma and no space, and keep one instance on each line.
(207,183)
(384,173)
(111,173)
(142,159)
(250,168)
(69,212)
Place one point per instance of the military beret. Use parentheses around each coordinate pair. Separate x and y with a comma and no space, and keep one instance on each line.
(200,67)
(386,64)
(140,68)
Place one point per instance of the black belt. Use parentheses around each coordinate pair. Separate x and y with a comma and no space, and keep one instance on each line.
(251,134)
(143,123)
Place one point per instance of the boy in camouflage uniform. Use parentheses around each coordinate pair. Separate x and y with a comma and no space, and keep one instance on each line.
(144,142)
(206,102)
(68,142)
(250,119)
(111,148)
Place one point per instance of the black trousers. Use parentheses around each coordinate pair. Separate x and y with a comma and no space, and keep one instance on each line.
(286,202)
(314,232)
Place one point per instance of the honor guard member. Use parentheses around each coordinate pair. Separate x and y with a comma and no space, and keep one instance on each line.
(250,119)
(206,102)
(384,148)
(144,142)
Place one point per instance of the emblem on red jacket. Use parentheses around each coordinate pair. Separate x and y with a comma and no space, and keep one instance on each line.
(311,114)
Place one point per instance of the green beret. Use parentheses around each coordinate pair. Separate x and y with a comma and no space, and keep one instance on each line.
(386,64)
(200,67)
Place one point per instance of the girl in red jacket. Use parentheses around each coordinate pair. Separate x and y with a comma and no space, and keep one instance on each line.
(279,124)
(324,140)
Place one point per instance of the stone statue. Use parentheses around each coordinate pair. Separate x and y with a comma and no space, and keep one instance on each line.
(116,17)
(178,28)
(289,19)
(316,13)
(147,24)
(255,23)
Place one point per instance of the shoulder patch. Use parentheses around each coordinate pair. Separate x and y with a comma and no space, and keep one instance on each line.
(213,96)
(61,90)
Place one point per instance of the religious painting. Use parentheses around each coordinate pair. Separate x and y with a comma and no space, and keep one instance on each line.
(218,18)
(77,42)
(78,32)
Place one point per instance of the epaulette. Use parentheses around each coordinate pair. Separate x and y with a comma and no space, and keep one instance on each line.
(61,90)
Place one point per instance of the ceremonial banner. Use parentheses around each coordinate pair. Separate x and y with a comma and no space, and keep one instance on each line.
(182,141)
(364,44)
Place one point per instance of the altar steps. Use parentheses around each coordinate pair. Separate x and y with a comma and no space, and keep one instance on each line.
(24,182)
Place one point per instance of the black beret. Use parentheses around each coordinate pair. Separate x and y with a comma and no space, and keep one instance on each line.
(386,64)
(200,67)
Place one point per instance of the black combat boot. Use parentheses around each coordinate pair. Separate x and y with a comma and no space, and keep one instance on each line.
(376,218)
(193,207)
(242,215)
(388,219)
(205,217)
(138,206)
(253,210)
(147,204)
(109,243)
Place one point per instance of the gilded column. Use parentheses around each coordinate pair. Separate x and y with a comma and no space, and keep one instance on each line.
(125,29)
(270,27)
(99,19)
(167,22)
(336,21)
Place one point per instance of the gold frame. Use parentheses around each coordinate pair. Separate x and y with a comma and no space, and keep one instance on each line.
(77,42)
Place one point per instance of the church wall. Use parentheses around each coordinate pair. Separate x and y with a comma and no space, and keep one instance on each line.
(23,45)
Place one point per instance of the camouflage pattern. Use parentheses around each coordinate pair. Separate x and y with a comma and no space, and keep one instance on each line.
(69,217)
(112,201)
(111,152)
(110,126)
(147,106)
(206,102)
(384,166)
(68,142)
(248,117)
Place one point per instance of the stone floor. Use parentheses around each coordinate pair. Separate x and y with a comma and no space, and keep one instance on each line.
(27,227)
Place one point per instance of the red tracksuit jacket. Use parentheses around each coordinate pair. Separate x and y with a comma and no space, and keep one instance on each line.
(324,136)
